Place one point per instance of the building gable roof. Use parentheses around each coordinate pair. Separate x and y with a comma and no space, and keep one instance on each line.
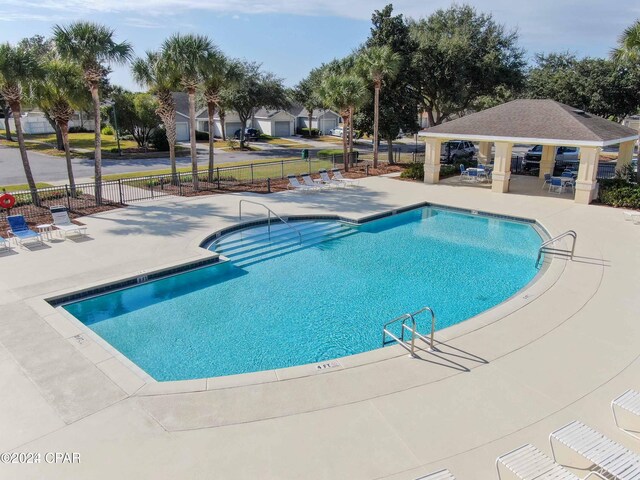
(534,121)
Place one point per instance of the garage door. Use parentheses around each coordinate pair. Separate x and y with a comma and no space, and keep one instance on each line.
(182,132)
(231,128)
(327,124)
(283,129)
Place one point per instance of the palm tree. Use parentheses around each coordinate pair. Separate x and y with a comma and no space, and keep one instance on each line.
(154,72)
(187,54)
(378,64)
(343,93)
(18,67)
(215,71)
(628,50)
(60,91)
(91,46)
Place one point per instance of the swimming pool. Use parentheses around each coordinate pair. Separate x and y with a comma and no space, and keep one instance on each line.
(278,303)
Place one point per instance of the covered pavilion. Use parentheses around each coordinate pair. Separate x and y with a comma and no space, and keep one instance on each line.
(536,122)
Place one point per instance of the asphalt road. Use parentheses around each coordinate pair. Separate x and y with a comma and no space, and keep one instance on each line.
(48,168)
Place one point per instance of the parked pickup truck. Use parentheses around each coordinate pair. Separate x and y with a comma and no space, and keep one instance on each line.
(565,156)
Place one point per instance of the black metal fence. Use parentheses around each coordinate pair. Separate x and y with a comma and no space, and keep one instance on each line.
(115,193)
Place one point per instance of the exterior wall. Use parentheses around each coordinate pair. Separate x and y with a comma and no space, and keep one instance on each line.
(264,125)
(36,123)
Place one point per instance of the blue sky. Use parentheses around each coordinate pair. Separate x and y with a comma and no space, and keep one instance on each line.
(289,37)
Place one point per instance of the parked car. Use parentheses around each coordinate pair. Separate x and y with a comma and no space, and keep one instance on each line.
(336,132)
(249,134)
(565,156)
(456,150)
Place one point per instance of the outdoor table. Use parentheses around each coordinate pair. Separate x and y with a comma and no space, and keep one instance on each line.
(45,230)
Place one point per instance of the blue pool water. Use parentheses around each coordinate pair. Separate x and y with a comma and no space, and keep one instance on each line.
(316,303)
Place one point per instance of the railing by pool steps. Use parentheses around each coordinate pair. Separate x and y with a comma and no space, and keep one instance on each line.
(413,329)
(269,212)
(547,248)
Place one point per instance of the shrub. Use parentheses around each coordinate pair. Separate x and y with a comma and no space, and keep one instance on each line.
(617,192)
(202,136)
(414,171)
(305,132)
(78,130)
(23,199)
(107,130)
(158,140)
(114,150)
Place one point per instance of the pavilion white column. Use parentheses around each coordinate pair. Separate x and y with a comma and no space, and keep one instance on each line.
(501,167)
(547,160)
(625,154)
(586,185)
(432,160)
(484,152)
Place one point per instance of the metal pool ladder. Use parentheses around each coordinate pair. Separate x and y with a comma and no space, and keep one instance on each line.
(269,212)
(547,248)
(403,319)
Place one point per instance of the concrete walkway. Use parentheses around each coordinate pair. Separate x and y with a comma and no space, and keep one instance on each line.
(559,350)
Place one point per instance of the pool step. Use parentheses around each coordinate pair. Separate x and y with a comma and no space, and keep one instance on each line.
(290,236)
(279,232)
(260,232)
(253,248)
(247,261)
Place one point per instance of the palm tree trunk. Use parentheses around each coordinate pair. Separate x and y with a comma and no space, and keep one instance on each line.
(351,136)
(95,96)
(192,137)
(170,128)
(310,121)
(7,127)
(64,129)
(23,155)
(376,112)
(211,110)
(389,151)
(345,121)
(222,125)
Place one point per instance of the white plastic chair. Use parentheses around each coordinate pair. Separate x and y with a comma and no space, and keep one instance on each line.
(308,182)
(629,401)
(324,176)
(609,457)
(337,176)
(296,185)
(62,222)
(439,475)
(529,463)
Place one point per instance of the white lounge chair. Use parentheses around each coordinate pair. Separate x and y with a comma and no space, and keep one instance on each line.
(629,401)
(529,463)
(296,185)
(609,457)
(337,176)
(63,223)
(4,243)
(439,475)
(324,176)
(631,216)
(308,182)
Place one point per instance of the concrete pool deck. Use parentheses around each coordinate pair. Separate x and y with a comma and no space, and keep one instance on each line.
(499,381)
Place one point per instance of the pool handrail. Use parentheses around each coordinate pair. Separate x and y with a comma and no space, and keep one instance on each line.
(269,212)
(413,329)
(544,248)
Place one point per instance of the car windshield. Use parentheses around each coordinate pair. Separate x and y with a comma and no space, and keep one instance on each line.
(537,148)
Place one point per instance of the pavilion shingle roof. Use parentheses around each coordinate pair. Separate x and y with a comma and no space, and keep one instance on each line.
(535,119)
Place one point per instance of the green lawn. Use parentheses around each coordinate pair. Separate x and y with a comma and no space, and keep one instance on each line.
(18,188)
(166,171)
(85,140)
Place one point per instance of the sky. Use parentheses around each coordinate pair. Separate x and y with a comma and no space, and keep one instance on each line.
(290,37)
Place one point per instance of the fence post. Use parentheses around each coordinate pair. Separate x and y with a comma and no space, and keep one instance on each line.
(252,173)
(120,191)
(179,185)
(218,175)
(282,169)
(151,185)
(366,169)
(333,161)
(66,188)
(268,184)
